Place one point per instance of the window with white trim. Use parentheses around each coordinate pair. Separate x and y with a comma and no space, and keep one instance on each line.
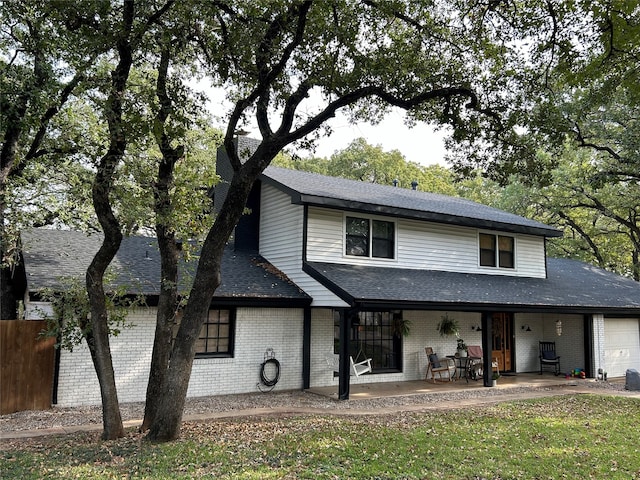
(496,250)
(367,237)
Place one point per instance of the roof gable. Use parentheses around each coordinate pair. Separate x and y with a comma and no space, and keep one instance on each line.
(321,190)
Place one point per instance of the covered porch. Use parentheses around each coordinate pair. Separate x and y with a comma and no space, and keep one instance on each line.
(507,316)
(362,391)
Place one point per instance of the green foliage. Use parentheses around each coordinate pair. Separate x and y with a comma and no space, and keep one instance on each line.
(311,164)
(367,163)
(448,326)
(195,176)
(69,323)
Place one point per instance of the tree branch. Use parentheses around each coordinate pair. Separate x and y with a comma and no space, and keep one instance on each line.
(49,114)
(587,238)
(582,141)
(393,100)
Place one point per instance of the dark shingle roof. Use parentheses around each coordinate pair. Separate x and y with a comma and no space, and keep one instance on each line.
(571,286)
(321,190)
(51,255)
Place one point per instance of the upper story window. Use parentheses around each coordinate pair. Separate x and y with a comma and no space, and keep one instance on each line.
(370,238)
(497,250)
(216,337)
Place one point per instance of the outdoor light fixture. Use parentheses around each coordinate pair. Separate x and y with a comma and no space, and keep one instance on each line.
(559,327)
(526,328)
(477,328)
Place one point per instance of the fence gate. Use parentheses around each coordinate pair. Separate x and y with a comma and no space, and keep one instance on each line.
(26,366)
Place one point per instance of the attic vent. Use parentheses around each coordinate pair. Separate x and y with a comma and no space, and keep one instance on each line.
(414,185)
(395,182)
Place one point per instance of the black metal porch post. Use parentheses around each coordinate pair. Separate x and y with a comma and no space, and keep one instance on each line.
(589,359)
(487,348)
(306,349)
(343,350)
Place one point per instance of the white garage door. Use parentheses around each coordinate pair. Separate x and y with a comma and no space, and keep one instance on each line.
(621,345)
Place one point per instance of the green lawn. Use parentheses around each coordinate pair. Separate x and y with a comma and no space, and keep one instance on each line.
(575,437)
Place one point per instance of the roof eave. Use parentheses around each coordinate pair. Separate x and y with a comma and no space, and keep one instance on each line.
(371,304)
(348,205)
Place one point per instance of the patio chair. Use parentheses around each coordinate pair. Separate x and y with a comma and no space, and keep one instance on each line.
(476,367)
(438,366)
(357,368)
(548,357)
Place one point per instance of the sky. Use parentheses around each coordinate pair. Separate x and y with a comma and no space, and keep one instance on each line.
(420,143)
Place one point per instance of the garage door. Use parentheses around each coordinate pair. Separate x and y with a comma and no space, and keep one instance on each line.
(621,345)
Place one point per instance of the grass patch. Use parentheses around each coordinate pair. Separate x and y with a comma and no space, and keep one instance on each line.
(586,436)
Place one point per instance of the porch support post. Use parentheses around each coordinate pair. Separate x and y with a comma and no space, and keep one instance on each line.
(487,348)
(343,350)
(589,358)
(306,349)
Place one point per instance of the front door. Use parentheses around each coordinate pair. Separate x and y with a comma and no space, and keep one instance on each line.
(501,340)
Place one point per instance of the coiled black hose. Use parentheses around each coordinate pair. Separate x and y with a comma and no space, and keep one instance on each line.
(270,382)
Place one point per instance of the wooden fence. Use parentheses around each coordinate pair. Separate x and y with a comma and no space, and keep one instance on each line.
(26,366)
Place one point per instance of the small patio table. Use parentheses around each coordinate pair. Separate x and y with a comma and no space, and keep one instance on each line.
(462,365)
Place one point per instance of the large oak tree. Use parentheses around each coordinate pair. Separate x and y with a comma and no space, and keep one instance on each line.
(38,79)
(287,68)
(364,56)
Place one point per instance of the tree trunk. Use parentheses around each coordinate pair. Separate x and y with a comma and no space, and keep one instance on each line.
(101,190)
(165,319)
(98,341)
(169,252)
(168,300)
(166,425)
(8,306)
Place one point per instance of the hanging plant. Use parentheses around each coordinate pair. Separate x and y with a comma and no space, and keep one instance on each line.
(401,326)
(448,326)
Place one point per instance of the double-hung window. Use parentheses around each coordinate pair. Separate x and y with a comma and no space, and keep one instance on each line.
(497,251)
(366,237)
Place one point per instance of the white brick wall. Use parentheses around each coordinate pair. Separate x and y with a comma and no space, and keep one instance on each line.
(281,330)
(256,330)
(423,334)
(598,343)
(569,345)
(131,353)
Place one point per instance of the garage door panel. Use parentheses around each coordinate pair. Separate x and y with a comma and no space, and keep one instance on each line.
(622,345)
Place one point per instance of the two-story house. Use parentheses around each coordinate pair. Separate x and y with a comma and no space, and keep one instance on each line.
(323,266)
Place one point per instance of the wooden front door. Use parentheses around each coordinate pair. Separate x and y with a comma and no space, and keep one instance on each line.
(501,340)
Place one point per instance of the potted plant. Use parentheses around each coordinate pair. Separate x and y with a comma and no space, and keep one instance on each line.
(448,326)
(461,348)
(401,326)
(495,377)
